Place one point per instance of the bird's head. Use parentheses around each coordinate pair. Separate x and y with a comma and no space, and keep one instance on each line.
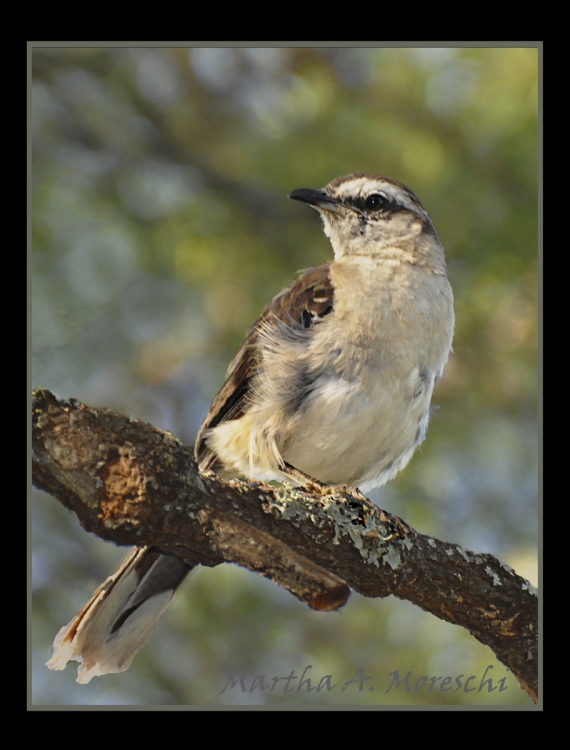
(367,214)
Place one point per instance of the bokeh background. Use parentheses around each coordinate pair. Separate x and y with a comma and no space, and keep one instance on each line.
(161,228)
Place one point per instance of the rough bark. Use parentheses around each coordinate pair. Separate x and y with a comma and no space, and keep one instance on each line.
(131,483)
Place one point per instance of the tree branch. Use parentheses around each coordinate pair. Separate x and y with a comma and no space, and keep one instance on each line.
(131,483)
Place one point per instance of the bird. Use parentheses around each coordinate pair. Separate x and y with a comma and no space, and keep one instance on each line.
(332,385)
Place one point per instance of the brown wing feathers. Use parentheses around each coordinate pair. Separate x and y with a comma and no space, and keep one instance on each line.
(308,298)
(303,303)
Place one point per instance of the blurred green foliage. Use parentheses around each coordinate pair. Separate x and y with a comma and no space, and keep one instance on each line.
(161,228)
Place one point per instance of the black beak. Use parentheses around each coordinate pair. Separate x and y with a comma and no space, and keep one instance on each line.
(317,198)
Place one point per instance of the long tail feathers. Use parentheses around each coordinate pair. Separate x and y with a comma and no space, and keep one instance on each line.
(117,621)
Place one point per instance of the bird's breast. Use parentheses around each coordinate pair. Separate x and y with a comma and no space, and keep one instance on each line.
(387,321)
(374,363)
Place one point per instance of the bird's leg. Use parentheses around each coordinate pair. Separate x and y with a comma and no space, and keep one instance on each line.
(313,484)
(299,476)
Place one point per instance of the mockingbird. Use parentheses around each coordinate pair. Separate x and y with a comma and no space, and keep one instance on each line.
(332,385)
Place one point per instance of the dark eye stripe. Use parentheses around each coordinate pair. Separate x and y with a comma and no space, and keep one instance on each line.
(372,203)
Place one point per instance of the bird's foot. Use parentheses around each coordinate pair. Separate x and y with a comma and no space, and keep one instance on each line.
(313,485)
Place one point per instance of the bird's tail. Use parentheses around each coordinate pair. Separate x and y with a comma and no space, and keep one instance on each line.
(117,621)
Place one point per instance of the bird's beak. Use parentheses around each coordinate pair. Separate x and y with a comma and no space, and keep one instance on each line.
(318,199)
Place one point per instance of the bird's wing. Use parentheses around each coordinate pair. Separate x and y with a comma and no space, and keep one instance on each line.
(301,305)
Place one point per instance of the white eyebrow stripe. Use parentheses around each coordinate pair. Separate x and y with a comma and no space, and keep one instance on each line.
(365,186)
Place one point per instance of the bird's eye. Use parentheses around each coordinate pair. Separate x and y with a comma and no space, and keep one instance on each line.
(375,202)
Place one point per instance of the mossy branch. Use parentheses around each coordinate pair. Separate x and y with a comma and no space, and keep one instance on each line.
(133,484)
